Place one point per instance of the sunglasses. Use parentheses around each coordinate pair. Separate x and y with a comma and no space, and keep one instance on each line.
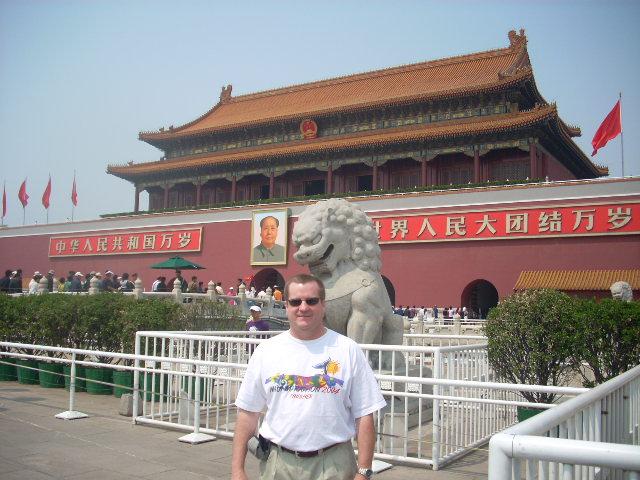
(296,302)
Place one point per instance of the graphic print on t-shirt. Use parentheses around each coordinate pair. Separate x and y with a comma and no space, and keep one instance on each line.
(323,382)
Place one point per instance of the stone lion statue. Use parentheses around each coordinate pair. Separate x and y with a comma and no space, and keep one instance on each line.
(338,242)
(621,291)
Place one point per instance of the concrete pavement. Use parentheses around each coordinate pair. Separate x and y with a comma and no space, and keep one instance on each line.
(35,445)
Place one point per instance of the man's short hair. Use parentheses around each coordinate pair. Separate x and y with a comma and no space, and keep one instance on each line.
(270,216)
(305,278)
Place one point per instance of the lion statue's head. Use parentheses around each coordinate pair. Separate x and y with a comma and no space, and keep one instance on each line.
(621,291)
(333,231)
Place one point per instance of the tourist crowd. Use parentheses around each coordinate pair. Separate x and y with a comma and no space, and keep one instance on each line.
(435,312)
(12,282)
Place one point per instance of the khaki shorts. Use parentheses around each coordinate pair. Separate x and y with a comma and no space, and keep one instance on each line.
(337,463)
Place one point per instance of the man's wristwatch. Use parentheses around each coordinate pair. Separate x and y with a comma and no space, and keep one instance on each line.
(365,472)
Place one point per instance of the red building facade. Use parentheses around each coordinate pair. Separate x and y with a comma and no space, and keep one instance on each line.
(440,132)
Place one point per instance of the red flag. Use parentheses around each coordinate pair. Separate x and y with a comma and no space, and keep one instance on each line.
(4,202)
(47,194)
(74,193)
(22,194)
(609,129)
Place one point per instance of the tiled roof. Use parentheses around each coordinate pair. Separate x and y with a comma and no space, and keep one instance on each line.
(430,131)
(444,78)
(576,279)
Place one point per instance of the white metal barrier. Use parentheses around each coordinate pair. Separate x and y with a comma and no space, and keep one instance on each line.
(441,402)
(595,435)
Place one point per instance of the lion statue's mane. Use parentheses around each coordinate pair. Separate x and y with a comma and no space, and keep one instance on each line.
(339,244)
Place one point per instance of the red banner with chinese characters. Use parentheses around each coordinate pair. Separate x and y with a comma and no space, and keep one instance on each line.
(156,241)
(536,222)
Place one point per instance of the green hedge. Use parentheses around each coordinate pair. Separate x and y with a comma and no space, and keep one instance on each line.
(545,337)
(606,337)
(107,321)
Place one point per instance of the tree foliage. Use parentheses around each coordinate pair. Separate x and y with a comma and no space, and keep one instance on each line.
(606,337)
(530,341)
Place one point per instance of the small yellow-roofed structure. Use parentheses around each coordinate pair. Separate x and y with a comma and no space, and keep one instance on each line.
(579,282)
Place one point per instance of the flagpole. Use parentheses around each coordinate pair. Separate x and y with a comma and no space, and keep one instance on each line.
(621,135)
(73,205)
(4,195)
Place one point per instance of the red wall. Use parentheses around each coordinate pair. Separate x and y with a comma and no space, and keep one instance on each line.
(421,273)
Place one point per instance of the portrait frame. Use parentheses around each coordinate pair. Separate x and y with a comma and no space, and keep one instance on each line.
(258,255)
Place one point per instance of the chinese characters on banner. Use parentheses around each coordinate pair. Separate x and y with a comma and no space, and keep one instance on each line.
(505,224)
(161,241)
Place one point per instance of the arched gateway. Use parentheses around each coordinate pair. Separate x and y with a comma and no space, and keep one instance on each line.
(267,277)
(479,296)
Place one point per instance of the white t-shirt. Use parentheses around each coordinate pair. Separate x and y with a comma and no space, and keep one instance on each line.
(313,390)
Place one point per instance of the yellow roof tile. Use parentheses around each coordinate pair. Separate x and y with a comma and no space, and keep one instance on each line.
(576,279)
(433,79)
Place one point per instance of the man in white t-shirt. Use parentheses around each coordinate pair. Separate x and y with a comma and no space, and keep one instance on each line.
(318,391)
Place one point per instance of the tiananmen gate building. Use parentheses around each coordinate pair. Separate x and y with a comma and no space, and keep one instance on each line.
(472,180)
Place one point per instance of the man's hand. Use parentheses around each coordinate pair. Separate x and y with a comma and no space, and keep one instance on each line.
(246,425)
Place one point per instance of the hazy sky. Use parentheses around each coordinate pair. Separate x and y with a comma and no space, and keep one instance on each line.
(79,79)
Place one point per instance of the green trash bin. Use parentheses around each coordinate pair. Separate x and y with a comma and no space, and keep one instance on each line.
(27,376)
(99,374)
(51,375)
(8,371)
(123,381)
(153,385)
(525,413)
(81,374)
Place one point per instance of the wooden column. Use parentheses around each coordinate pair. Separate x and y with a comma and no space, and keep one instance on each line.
(198,193)
(374,183)
(477,174)
(432,171)
(533,160)
(272,184)
(423,172)
(329,186)
(165,203)
(233,188)
(136,200)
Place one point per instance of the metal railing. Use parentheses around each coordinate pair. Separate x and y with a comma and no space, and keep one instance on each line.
(441,402)
(271,308)
(595,435)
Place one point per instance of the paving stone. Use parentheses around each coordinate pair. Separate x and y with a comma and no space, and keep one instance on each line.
(35,445)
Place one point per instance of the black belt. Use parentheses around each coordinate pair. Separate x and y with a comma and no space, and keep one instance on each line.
(312,453)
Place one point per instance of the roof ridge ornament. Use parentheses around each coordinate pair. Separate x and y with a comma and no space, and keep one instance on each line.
(225,95)
(517,39)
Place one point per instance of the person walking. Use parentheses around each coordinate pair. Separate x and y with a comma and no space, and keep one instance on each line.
(318,391)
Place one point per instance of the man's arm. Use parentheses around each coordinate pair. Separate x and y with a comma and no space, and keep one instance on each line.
(246,424)
(366,437)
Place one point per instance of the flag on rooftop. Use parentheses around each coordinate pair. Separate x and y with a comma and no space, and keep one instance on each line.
(22,194)
(609,129)
(74,192)
(46,196)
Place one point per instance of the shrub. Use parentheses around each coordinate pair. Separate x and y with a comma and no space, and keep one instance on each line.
(529,340)
(209,315)
(106,321)
(607,339)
